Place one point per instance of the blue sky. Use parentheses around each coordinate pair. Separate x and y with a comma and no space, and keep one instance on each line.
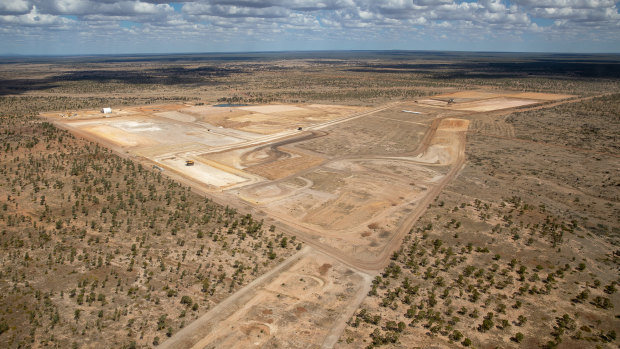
(159,26)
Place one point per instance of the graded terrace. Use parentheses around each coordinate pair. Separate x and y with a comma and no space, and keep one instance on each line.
(348,180)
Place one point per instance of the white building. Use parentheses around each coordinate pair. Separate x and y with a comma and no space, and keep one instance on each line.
(106,110)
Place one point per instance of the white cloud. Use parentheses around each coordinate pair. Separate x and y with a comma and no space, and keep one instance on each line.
(574,11)
(102,7)
(14,7)
(35,19)
(314,19)
(199,9)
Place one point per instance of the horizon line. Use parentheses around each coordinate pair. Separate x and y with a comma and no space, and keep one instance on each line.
(14,55)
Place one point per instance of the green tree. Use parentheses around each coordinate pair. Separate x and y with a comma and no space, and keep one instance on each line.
(187,300)
(161,323)
(518,337)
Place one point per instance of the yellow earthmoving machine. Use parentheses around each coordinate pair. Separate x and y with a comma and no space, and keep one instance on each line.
(189,162)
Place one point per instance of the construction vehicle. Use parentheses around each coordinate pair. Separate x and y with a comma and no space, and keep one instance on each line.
(189,162)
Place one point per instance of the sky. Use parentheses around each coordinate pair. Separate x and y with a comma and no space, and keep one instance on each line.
(70,27)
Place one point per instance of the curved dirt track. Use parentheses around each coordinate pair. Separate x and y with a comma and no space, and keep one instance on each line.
(394,241)
(273,150)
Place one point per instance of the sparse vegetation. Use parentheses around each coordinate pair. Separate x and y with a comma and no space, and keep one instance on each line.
(97,247)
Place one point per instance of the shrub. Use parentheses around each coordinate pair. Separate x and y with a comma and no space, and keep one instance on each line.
(518,337)
(187,300)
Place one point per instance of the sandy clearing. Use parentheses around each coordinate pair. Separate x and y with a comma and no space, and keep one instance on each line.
(493,104)
(286,167)
(205,110)
(229,158)
(269,119)
(344,195)
(433,102)
(540,96)
(276,108)
(155,108)
(214,115)
(165,132)
(469,95)
(301,304)
(163,150)
(336,202)
(175,115)
(444,147)
(454,124)
(202,172)
(118,136)
(478,95)
(254,117)
(133,126)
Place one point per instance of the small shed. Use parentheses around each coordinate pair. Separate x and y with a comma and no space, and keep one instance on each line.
(106,110)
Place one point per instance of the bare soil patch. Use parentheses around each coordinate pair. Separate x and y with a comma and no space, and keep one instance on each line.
(302,299)
(378,134)
(118,136)
(269,119)
(297,162)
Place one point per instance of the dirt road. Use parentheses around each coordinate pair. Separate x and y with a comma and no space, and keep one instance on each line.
(307,288)
(191,335)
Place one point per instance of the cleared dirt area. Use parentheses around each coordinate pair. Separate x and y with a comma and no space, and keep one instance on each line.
(483,101)
(203,172)
(272,161)
(269,119)
(376,169)
(297,305)
(143,131)
(482,94)
(350,184)
(117,136)
(350,189)
(170,134)
(377,134)
(540,96)
(356,204)
(177,116)
(494,104)
(295,161)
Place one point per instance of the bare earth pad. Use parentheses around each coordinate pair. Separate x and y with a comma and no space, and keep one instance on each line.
(305,298)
